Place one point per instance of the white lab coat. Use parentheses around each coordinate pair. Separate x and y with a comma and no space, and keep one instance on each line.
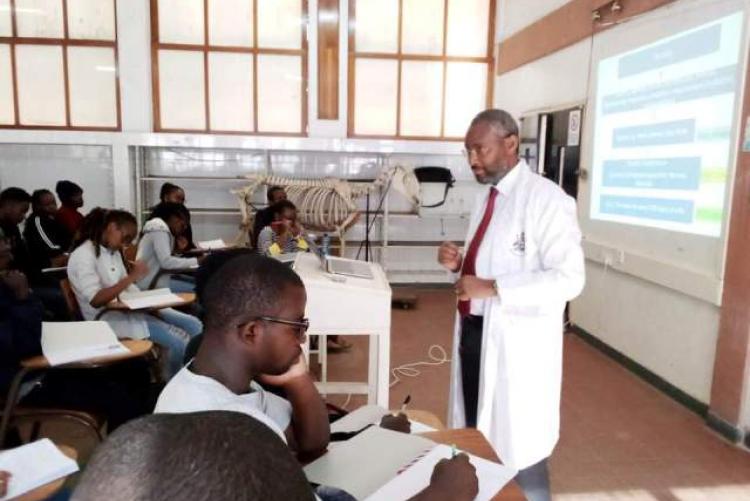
(535,255)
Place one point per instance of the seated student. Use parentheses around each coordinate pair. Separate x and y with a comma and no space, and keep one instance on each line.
(264,217)
(284,234)
(47,240)
(254,328)
(156,244)
(98,275)
(150,459)
(71,199)
(120,392)
(174,194)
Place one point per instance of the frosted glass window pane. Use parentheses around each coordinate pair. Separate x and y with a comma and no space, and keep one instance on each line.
(6,30)
(230,89)
(375,91)
(467,27)
(6,86)
(376,28)
(181,21)
(91,19)
(422,27)
(230,22)
(280,24)
(39,18)
(279,93)
(41,88)
(465,96)
(92,84)
(181,90)
(421,96)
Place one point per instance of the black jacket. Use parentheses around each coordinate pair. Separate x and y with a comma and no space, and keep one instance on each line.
(20,332)
(45,239)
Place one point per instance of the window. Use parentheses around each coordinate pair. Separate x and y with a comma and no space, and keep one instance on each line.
(419,69)
(230,66)
(58,64)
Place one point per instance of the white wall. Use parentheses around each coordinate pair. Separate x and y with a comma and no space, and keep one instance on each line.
(671,333)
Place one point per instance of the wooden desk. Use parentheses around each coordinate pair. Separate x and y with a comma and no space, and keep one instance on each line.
(47,490)
(472,440)
(137,347)
(186,299)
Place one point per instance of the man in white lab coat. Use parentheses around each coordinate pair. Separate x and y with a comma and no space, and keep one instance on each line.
(522,262)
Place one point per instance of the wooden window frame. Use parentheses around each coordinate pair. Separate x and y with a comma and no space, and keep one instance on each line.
(206,48)
(64,42)
(400,57)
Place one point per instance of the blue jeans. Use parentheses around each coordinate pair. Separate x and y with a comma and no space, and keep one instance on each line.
(173,330)
(181,283)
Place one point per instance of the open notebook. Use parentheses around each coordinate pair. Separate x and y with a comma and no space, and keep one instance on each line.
(33,465)
(150,299)
(212,244)
(380,464)
(66,342)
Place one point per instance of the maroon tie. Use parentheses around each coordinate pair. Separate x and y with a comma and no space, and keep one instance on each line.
(469,268)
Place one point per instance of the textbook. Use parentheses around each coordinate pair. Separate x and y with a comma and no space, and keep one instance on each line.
(66,342)
(380,464)
(33,465)
(150,299)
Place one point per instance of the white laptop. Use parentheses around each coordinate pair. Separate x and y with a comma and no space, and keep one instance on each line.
(350,267)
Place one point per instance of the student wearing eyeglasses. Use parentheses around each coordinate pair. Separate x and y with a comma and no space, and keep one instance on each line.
(254,327)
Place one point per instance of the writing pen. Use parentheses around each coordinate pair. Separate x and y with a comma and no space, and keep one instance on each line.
(406,401)
(453,450)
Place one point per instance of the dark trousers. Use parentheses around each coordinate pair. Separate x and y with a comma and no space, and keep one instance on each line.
(534,480)
(120,392)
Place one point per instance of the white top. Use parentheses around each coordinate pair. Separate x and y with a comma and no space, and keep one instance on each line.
(155,249)
(190,392)
(88,274)
(482,264)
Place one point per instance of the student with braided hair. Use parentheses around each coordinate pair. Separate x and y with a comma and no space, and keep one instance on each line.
(97,274)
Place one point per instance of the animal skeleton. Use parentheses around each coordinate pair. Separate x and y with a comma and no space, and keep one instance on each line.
(326,204)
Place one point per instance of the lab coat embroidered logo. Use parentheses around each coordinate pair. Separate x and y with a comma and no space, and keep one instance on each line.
(519,246)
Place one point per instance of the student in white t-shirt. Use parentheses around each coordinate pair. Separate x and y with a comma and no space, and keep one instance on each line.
(254,322)
(98,275)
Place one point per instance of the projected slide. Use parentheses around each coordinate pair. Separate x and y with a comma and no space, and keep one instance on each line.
(663,130)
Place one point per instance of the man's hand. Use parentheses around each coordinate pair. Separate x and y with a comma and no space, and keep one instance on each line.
(17,283)
(398,423)
(138,270)
(472,287)
(456,477)
(4,480)
(449,256)
(452,479)
(181,244)
(59,261)
(298,369)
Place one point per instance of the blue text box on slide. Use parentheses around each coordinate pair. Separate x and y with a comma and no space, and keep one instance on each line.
(698,86)
(675,132)
(681,173)
(659,209)
(696,44)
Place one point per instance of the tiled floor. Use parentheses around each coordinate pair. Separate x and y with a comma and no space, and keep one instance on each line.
(620,439)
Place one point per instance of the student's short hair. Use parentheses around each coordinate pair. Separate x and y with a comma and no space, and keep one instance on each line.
(281,206)
(212,264)
(67,190)
(36,197)
(14,195)
(202,456)
(271,191)
(165,210)
(167,189)
(244,288)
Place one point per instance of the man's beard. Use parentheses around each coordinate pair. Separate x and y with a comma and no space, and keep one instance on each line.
(491,178)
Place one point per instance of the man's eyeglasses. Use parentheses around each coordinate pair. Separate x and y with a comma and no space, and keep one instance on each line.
(302,325)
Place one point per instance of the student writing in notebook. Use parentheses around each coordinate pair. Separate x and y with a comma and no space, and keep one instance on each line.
(204,456)
(171,193)
(97,274)
(157,243)
(120,392)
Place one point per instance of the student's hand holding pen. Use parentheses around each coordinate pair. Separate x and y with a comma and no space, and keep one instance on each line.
(452,479)
(398,422)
